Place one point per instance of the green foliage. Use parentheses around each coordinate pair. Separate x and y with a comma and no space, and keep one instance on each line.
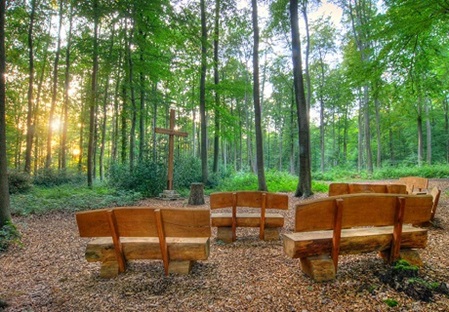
(19,182)
(387,172)
(276,182)
(8,235)
(147,178)
(425,171)
(70,198)
(51,177)
(391,302)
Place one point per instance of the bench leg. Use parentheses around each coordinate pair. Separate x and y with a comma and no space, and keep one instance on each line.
(320,268)
(410,255)
(224,233)
(180,267)
(271,234)
(109,269)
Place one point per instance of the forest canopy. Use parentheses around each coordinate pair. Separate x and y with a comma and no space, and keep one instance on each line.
(376,84)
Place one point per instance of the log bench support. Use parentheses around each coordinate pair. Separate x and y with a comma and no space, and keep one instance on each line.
(269,224)
(359,223)
(177,237)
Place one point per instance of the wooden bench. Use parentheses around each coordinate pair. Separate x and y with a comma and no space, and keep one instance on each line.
(227,222)
(357,223)
(415,184)
(176,236)
(355,188)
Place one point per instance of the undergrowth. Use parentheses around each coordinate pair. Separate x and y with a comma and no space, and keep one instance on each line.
(70,198)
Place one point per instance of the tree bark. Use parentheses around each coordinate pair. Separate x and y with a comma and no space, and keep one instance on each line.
(54,92)
(203,93)
(30,126)
(216,82)
(5,213)
(262,186)
(305,176)
(93,99)
(196,196)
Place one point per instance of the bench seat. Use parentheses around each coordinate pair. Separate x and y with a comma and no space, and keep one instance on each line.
(353,241)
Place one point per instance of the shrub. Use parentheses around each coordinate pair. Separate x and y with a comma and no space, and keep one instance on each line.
(147,178)
(51,177)
(19,182)
(8,235)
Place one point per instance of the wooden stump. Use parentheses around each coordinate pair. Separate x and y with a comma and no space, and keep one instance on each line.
(196,194)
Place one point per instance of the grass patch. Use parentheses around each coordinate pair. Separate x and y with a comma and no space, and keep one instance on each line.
(276,182)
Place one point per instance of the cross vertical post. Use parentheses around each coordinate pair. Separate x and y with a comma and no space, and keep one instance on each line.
(171,146)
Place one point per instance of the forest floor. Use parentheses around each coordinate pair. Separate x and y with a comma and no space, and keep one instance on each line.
(49,273)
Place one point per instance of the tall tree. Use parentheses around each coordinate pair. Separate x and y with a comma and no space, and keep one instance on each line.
(262,185)
(54,90)
(5,214)
(93,97)
(216,82)
(305,176)
(30,126)
(203,92)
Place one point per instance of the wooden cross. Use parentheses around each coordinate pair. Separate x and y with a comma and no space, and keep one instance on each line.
(171,145)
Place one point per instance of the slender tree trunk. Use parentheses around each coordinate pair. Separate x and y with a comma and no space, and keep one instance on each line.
(203,93)
(93,100)
(132,135)
(30,126)
(54,91)
(308,83)
(305,176)
(428,134)
(378,132)
(446,126)
(420,133)
(216,82)
(65,108)
(5,212)
(142,112)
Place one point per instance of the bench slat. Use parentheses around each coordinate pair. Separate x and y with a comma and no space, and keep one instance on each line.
(135,221)
(247,219)
(353,241)
(93,223)
(186,223)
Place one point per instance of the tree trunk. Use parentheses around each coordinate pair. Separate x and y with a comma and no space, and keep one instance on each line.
(305,176)
(378,132)
(132,135)
(30,126)
(257,111)
(65,107)
(420,134)
(54,92)
(203,93)
(93,100)
(428,134)
(216,82)
(5,213)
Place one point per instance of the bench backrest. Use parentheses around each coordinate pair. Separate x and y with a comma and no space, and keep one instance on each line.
(355,188)
(250,199)
(415,183)
(142,222)
(361,210)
